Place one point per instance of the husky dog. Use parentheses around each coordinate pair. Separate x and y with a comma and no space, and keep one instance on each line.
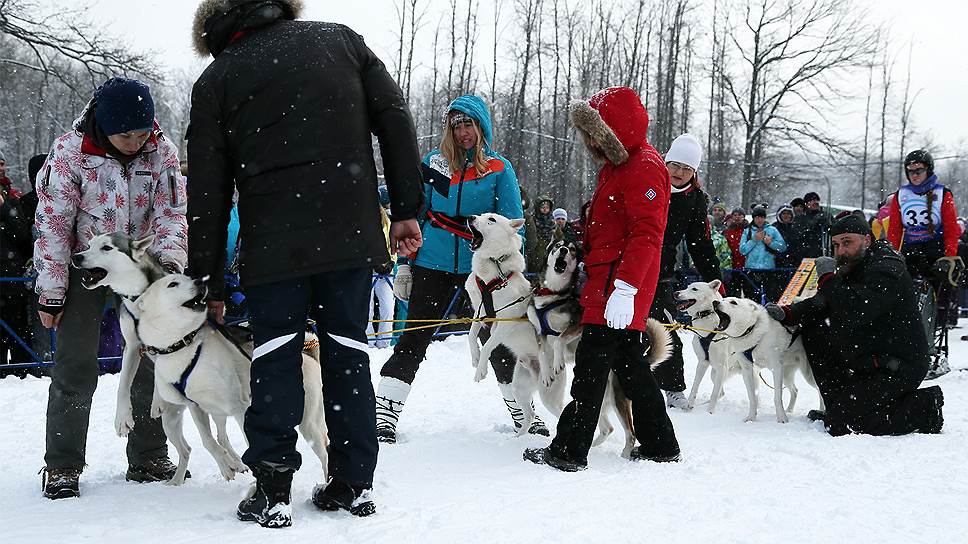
(497,288)
(697,300)
(555,310)
(124,265)
(758,341)
(199,368)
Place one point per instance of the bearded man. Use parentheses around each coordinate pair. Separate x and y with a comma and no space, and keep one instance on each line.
(864,339)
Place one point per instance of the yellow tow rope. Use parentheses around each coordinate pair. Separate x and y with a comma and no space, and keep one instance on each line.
(433,323)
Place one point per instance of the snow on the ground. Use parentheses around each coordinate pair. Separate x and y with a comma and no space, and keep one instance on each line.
(457,476)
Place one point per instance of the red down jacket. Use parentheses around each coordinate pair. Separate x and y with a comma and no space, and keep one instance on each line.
(629,209)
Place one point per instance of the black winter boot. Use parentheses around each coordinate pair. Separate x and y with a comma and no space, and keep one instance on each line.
(60,483)
(637,455)
(935,418)
(543,456)
(160,469)
(337,495)
(270,504)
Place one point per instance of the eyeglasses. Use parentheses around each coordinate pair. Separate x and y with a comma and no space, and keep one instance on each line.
(917,171)
(679,167)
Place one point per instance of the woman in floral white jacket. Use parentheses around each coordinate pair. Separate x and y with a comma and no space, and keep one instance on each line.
(114,172)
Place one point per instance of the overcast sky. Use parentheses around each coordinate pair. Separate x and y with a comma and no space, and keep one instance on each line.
(938,27)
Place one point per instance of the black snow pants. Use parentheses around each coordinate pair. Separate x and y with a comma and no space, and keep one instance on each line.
(875,401)
(337,301)
(600,350)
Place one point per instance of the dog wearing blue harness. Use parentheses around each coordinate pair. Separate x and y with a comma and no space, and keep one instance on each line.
(201,367)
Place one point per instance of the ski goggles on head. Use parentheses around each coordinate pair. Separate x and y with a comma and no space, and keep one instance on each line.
(459,119)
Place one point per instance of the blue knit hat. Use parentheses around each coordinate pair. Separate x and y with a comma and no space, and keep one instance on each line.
(123,105)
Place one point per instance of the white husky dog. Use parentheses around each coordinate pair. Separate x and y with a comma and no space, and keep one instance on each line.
(497,288)
(123,265)
(711,350)
(758,341)
(198,368)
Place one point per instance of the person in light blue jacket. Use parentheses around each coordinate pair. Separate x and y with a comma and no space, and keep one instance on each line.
(463,177)
(760,244)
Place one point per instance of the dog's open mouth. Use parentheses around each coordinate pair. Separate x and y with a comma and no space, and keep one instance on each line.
(561,264)
(684,304)
(90,277)
(477,239)
(197,304)
(724,320)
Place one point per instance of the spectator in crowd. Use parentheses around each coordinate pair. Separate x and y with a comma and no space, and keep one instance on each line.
(718,212)
(882,221)
(735,227)
(810,229)
(798,207)
(760,244)
(723,253)
(532,256)
(687,227)
(115,170)
(382,289)
(624,244)
(924,228)
(579,223)
(40,336)
(545,225)
(284,106)
(15,250)
(561,223)
(6,184)
(784,225)
(864,339)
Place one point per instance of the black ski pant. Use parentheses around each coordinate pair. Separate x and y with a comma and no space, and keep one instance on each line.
(337,301)
(431,293)
(601,350)
(669,375)
(874,401)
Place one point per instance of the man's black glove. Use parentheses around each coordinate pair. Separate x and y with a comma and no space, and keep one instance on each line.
(949,269)
(824,265)
(776,312)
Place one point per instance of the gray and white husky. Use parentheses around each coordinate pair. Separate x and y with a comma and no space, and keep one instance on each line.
(122,264)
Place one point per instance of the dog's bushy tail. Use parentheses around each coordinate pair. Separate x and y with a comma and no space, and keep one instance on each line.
(661,342)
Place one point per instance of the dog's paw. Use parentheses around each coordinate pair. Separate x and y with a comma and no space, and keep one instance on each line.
(782,418)
(124,421)
(750,419)
(481,372)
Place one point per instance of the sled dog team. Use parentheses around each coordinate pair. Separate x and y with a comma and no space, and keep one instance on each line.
(204,367)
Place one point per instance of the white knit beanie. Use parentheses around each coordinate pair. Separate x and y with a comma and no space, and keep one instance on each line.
(559,213)
(685,150)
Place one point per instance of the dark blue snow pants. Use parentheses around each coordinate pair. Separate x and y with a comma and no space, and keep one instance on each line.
(337,301)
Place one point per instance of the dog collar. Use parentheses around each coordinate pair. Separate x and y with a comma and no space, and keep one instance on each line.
(703,314)
(749,330)
(181,344)
(545,292)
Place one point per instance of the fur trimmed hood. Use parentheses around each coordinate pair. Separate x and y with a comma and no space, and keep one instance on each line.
(290,9)
(614,121)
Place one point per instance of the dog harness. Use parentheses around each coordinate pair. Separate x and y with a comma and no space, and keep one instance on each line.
(487,288)
(542,313)
(705,342)
(182,384)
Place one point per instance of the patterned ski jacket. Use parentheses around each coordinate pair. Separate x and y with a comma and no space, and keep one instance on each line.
(83,191)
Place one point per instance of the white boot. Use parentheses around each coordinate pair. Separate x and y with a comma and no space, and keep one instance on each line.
(390,396)
(676,399)
(517,415)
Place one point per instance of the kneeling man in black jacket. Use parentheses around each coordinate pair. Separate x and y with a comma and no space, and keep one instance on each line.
(864,339)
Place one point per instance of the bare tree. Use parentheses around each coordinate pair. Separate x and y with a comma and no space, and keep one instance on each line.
(790,51)
(907,104)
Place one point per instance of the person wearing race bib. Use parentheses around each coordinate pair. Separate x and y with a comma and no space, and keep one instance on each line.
(923,222)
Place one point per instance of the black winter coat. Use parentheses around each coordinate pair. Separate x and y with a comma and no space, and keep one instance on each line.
(687,217)
(873,314)
(809,231)
(787,259)
(285,115)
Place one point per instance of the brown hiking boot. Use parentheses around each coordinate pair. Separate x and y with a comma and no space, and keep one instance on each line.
(60,483)
(159,469)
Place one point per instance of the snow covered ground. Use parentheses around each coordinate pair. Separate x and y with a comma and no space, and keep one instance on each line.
(457,476)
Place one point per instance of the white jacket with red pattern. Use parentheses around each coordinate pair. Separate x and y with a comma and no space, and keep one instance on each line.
(82,191)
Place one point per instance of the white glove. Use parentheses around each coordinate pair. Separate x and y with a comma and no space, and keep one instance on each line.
(402,282)
(620,308)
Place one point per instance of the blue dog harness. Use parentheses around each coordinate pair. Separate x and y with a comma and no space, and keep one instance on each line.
(542,314)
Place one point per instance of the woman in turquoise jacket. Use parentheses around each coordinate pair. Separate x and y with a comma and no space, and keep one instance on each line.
(760,244)
(463,177)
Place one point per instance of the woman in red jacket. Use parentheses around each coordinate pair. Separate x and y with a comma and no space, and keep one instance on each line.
(623,245)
